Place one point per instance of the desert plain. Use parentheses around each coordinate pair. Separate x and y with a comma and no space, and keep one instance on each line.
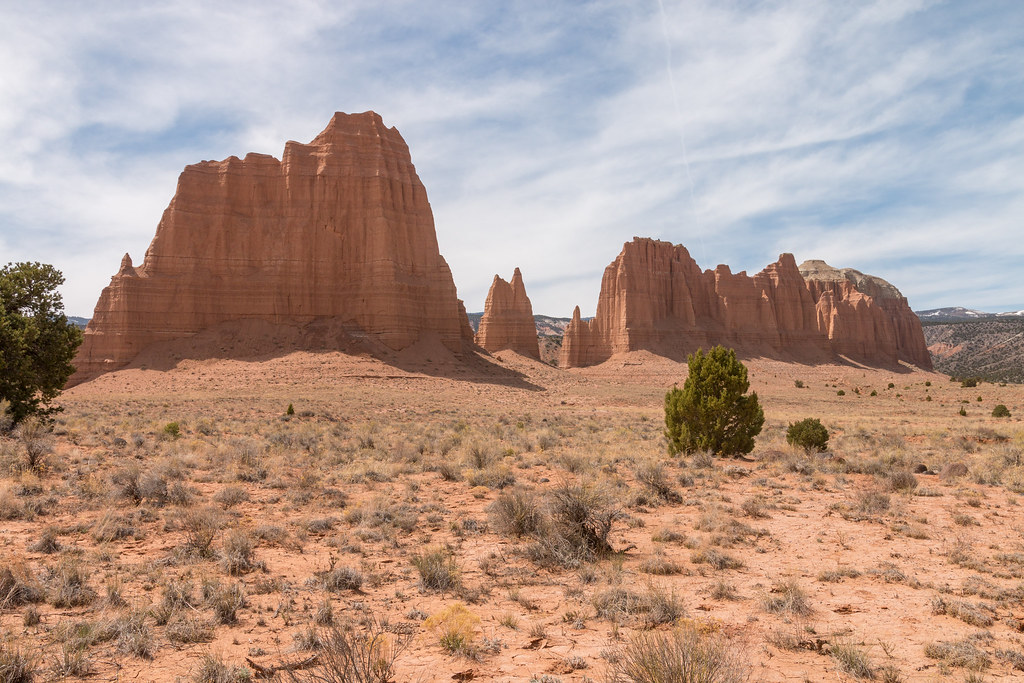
(181,525)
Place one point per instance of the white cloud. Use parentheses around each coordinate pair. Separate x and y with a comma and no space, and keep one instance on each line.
(876,135)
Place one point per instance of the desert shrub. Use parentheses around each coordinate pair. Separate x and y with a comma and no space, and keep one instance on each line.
(230,496)
(786,597)
(69,661)
(656,606)
(716,559)
(969,383)
(798,383)
(902,480)
(1000,411)
(15,665)
(840,393)
(455,627)
(172,430)
(516,512)
(134,637)
(683,655)
(654,479)
(342,579)
(69,585)
(962,610)
(962,411)
(18,587)
(201,526)
(580,516)
(36,442)
(225,601)
(238,553)
(852,659)
(47,543)
(808,434)
(659,565)
(189,629)
(212,669)
(873,502)
(711,411)
(437,569)
(962,653)
(352,655)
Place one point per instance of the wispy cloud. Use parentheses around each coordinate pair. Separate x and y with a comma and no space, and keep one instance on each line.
(887,136)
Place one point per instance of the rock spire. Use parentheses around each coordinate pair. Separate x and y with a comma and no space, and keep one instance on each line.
(508,322)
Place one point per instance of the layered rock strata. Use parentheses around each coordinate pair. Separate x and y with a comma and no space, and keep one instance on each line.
(508,321)
(339,229)
(654,297)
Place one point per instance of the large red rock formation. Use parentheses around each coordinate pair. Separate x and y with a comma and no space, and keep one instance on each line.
(654,297)
(338,229)
(508,322)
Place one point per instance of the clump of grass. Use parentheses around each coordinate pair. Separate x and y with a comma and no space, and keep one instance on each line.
(516,512)
(438,569)
(723,590)
(230,496)
(960,653)
(361,655)
(962,610)
(18,587)
(200,526)
(189,629)
(902,480)
(873,502)
(69,585)
(575,530)
(238,554)
(47,542)
(455,627)
(225,601)
(212,669)
(15,665)
(656,606)
(659,565)
(683,655)
(852,659)
(652,476)
(787,597)
(838,574)
(716,558)
(342,579)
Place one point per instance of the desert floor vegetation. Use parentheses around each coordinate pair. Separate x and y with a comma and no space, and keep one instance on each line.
(524,526)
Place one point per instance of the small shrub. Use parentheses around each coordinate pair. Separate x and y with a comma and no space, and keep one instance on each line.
(902,480)
(683,655)
(342,579)
(172,430)
(874,392)
(961,653)
(201,526)
(852,659)
(969,383)
(798,383)
(230,496)
(47,543)
(1000,411)
(840,393)
(238,553)
(212,669)
(36,441)
(963,411)
(455,627)
(516,512)
(787,597)
(15,666)
(226,601)
(437,569)
(653,477)
(808,434)
(290,410)
(70,585)
(355,655)
(712,411)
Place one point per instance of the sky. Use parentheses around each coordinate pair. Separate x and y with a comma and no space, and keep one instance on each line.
(885,136)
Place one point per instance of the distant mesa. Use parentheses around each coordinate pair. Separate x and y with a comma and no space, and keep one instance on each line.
(508,321)
(655,298)
(338,230)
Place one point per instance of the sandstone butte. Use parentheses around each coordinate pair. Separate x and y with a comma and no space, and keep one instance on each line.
(508,321)
(339,229)
(654,297)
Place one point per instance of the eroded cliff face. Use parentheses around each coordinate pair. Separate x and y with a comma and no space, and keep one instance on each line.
(654,297)
(338,228)
(508,322)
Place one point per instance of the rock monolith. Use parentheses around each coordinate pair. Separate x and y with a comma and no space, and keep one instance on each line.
(338,229)
(508,321)
(654,297)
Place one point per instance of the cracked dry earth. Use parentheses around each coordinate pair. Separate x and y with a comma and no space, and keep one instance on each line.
(243,540)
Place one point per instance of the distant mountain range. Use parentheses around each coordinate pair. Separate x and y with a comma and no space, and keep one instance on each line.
(967,343)
(955,314)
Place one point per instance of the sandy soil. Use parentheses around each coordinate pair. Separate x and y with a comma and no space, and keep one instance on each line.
(793,560)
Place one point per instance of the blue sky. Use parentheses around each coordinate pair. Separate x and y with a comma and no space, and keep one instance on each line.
(885,136)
